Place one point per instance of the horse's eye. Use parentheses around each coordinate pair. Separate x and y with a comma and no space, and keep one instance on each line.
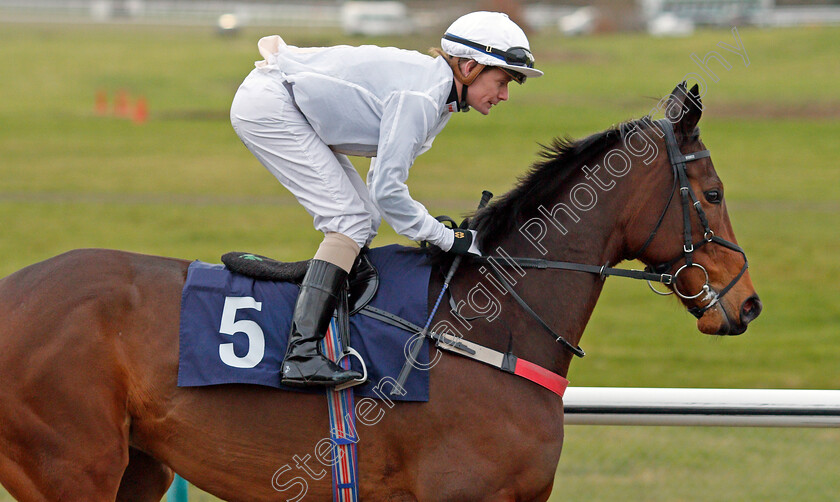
(713,196)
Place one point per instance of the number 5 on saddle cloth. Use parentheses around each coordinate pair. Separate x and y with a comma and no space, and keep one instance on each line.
(361,287)
(234,327)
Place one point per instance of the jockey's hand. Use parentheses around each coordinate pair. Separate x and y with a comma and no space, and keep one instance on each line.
(465,243)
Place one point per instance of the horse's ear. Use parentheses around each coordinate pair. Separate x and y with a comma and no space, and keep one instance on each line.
(693,110)
(684,109)
(674,109)
(694,94)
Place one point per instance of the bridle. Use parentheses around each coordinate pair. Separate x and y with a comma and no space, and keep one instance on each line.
(688,198)
(657,273)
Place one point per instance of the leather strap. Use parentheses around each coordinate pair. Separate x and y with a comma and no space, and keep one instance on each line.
(506,362)
(602,270)
(456,69)
(527,308)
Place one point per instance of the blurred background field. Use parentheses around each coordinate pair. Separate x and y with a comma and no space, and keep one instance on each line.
(181,184)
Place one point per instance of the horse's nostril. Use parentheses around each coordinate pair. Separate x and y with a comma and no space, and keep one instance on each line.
(750,309)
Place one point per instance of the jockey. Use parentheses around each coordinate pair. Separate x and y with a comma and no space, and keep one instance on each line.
(302,111)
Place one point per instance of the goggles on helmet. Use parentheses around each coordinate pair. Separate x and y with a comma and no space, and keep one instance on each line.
(515,75)
(515,56)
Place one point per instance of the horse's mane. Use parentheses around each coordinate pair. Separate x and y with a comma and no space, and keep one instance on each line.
(544,180)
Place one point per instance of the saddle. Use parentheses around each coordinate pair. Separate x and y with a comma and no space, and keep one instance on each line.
(363,281)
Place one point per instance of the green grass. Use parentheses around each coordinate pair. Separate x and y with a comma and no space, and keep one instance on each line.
(183,185)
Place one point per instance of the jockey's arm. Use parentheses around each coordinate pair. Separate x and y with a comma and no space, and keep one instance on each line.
(406,124)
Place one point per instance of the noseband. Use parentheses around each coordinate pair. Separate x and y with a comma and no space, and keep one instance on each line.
(687,197)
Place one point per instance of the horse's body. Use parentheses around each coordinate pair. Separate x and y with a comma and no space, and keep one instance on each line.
(87,387)
(90,409)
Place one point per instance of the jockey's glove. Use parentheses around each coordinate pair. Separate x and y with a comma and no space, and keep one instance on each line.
(465,242)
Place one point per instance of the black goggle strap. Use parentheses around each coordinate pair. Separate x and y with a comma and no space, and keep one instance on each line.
(519,56)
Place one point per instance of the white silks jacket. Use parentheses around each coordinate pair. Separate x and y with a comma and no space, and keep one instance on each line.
(377,102)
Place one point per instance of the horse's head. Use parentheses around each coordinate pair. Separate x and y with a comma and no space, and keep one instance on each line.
(682,227)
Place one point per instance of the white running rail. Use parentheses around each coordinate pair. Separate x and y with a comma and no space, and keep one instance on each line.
(711,407)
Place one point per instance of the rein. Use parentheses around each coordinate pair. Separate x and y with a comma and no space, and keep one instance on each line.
(657,273)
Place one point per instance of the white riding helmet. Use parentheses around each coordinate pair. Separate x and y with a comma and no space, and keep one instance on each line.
(491,39)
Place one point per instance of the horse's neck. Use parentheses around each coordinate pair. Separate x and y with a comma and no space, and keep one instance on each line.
(564,299)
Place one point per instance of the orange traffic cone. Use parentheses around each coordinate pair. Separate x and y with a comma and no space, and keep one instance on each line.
(141,111)
(101,106)
(121,104)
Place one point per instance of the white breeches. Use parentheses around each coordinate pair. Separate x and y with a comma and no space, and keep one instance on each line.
(325,183)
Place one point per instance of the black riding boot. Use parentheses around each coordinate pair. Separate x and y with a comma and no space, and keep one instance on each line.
(304,364)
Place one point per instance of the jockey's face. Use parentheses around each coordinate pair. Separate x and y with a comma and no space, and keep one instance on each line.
(488,89)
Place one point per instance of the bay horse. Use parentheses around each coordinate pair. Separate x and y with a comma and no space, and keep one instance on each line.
(90,409)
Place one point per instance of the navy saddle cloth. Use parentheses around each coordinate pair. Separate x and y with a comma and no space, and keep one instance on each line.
(234,329)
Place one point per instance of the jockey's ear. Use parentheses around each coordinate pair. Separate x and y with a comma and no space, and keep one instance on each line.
(470,68)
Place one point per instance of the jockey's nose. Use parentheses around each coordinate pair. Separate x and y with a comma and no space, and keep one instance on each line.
(503,93)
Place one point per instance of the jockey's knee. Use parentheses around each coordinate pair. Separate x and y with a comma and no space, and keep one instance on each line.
(359,229)
(339,249)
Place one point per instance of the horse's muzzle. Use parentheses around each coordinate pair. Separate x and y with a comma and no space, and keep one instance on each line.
(750,309)
(733,326)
